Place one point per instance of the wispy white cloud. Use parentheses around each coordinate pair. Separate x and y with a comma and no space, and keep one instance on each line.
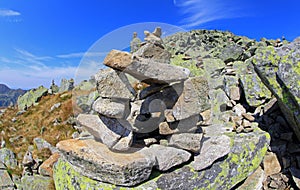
(198,12)
(81,54)
(28,70)
(8,13)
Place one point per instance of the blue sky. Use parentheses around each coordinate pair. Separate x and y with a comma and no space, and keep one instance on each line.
(41,40)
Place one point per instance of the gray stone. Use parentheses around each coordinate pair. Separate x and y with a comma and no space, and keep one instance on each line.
(55,106)
(114,84)
(211,150)
(106,130)
(31,97)
(40,144)
(167,157)
(150,71)
(186,141)
(114,108)
(231,53)
(5,180)
(193,100)
(188,125)
(96,161)
(135,43)
(256,92)
(66,85)
(35,182)
(223,174)
(155,52)
(8,158)
(279,70)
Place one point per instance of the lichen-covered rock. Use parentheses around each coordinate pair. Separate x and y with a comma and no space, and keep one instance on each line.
(231,53)
(5,180)
(256,92)
(35,182)
(95,160)
(247,152)
(8,158)
(31,97)
(279,69)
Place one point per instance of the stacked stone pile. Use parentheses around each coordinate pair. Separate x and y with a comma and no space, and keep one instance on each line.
(173,120)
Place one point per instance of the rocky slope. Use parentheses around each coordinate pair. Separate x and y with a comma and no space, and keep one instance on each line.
(213,111)
(9,96)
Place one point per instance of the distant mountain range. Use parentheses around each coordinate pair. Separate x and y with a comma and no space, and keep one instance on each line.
(9,96)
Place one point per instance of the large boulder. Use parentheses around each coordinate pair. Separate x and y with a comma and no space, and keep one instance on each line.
(94,160)
(31,97)
(246,153)
(279,69)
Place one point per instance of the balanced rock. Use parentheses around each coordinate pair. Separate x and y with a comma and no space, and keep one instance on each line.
(147,70)
(96,161)
(155,52)
(114,108)
(188,125)
(113,84)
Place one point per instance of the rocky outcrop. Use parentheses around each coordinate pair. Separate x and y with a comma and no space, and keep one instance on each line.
(279,69)
(31,97)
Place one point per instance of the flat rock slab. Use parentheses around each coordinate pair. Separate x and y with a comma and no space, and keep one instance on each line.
(186,141)
(193,100)
(106,130)
(247,152)
(147,70)
(211,150)
(114,108)
(167,157)
(96,161)
(114,84)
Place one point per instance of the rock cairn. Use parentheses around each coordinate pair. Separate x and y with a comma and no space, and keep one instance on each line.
(167,110)
(161,125)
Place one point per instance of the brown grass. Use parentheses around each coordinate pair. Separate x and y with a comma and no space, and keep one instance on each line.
(37,122)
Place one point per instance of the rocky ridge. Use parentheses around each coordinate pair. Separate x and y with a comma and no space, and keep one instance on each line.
(149,121)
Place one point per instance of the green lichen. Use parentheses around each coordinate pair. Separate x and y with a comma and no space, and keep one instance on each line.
(189,64)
